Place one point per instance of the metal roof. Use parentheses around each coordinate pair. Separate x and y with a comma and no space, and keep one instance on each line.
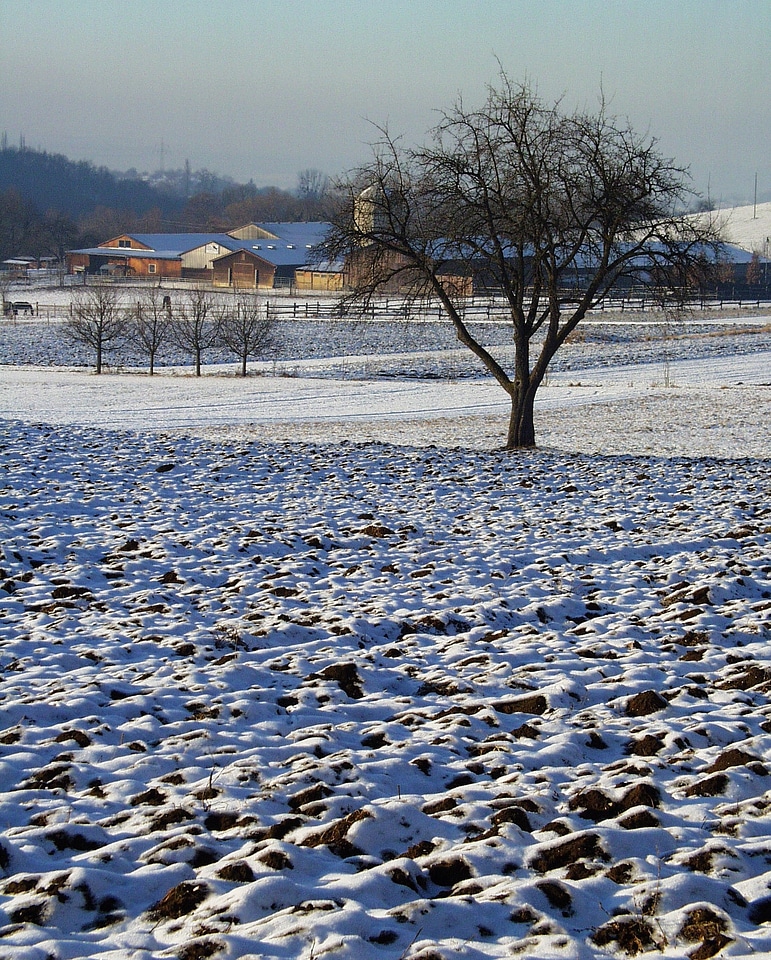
(289,247)
(126,252)
(278,252)
(298,233)
(177,242)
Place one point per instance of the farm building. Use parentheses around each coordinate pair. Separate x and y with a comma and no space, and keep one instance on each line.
(242,269)
(255,255)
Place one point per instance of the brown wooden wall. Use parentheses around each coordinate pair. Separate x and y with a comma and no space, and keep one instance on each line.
(243,270)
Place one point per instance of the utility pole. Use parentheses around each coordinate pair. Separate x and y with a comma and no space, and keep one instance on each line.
(755,203)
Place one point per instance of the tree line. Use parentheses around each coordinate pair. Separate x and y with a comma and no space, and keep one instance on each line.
(199,320)
(49,204)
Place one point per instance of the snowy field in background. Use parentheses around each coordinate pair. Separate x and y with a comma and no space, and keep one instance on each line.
(627,384)
(301,667)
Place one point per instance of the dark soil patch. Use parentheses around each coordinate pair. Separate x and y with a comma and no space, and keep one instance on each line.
(535,705)
(446,873)
(347,678)
(166,819)
(180,901)
(638,820)
(732,758)
(278,831)
(515,815)
(710,787)
(621,872)
(647,746)
(72,840)
(706,927)
(633,935)
(751,677)
(440,806)
(153,797)
(312,795)
(220,821)
(200,950)
(558,896)
(578,846)
(373,741)
(54,777)
(82,739)
(30,913)
(527,731)
(596,805)
(238,872)
(645,703)
(335,837)
(276,860)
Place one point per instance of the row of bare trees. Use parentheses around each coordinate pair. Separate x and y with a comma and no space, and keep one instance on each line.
(197,322)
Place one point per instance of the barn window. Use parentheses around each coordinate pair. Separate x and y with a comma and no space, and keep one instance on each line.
(151,268)
(124,243)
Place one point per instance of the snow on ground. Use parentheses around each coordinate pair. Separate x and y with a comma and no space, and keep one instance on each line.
(298,667)
(749,227)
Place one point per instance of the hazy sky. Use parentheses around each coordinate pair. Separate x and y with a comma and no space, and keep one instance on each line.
(262,89)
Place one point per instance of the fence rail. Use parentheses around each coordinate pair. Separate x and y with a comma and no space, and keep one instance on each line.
(394,309)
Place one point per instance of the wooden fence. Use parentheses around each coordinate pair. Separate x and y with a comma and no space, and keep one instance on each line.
(394,310)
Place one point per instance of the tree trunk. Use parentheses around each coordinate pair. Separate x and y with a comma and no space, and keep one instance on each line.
(521,431)
(243,366)
(99,356)
(198,363)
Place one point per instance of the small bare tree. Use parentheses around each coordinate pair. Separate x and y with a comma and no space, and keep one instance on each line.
(312,184)
(97,318)
(551,210)
(5,285)
(150,325)
(196,325)
(247,328)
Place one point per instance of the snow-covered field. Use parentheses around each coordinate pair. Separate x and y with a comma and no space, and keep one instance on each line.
(300,666)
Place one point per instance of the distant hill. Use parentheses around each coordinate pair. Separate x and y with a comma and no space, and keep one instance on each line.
(52,182)
(749,227)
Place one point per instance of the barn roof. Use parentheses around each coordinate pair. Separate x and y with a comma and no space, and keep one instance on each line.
(288,245)
(179,243)
(128,252)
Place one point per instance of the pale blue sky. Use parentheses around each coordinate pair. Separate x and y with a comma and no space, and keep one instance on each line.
(265,88)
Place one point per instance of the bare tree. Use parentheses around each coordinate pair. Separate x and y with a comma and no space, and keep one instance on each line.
(196,325)
(150,325)
(247,328)
(549,209)
(5,286)
(312,184)
(97,318)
